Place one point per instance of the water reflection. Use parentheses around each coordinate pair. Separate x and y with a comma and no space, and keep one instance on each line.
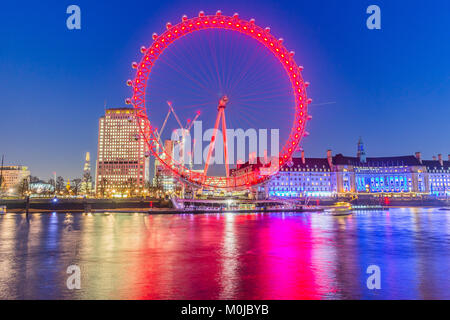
(226,256)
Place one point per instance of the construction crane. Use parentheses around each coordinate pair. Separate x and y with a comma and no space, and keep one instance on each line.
(185,130)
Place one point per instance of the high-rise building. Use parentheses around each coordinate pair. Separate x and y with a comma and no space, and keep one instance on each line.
(122,165)
(86,182)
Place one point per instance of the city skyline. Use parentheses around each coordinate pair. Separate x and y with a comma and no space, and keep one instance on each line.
(225,154)
(364,83)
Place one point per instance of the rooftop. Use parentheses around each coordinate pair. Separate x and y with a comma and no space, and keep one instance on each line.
(309,163)
(13,168)
(436,165)
(120,110)
(340,159)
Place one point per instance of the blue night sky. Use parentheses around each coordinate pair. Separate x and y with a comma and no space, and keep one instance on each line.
(390,86)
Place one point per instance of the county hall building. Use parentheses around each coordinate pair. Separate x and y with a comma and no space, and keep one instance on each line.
(345,176)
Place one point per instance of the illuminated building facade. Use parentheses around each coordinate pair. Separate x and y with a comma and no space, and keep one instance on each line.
(164,177)
(122,165)
(403,174)
(438,176)
(12,177)
(86,182)
(302,178)
(343,176)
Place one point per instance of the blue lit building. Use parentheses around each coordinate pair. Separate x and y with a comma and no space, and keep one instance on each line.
(302,178)
(380,175)
(344,176)
(404,174)
(438,176)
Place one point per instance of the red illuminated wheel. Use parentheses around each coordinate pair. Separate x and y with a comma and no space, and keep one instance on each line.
(247,28)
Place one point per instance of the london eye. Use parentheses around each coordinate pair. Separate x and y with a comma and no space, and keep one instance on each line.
(228,72)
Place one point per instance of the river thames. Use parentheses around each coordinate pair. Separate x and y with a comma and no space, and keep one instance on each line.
(226,256)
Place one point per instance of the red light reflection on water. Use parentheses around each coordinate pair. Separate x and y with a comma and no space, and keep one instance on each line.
(222,257)
(225,256)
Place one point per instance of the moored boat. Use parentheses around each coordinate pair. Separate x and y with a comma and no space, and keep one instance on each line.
(340,209)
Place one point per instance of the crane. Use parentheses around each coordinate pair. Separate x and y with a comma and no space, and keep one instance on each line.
(185,129)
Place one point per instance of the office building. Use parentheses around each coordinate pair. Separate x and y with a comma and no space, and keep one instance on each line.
(122,162)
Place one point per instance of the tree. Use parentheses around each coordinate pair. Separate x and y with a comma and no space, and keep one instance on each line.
(86,185)
(124,186)
(23,187)
(102,186)
(52,183)
(34,179)
(157,179)
(76,185)
(60,185)
(131,186)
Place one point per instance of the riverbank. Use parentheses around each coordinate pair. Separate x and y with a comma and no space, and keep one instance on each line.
(162,206)
(81,205)
(165,210)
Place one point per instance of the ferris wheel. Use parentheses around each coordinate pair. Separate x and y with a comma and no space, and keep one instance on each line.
(234,32)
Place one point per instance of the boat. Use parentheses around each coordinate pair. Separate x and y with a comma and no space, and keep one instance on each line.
(2,209)
(340,209)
